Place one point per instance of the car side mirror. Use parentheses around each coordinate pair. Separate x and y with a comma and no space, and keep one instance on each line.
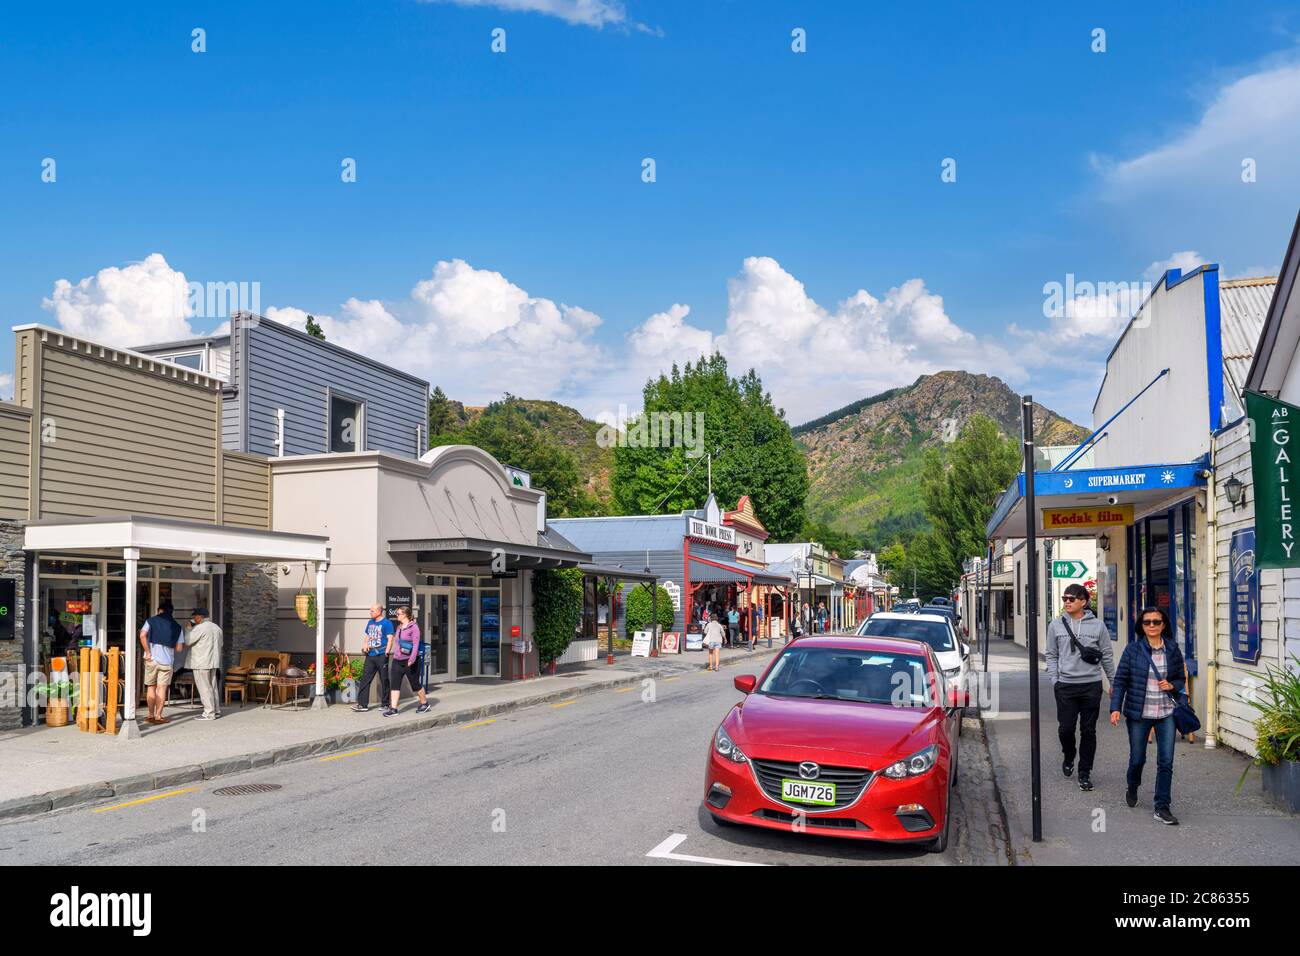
(745,683)
(957,697)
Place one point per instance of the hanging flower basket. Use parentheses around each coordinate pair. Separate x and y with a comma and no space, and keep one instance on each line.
(304,602)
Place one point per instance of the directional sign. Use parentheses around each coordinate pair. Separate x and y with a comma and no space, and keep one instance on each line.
(1069,569)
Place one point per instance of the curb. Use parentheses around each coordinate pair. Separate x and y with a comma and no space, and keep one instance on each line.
(1013,856)
(91,793)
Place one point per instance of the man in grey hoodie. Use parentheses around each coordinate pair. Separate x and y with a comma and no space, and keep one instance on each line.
(1077,684)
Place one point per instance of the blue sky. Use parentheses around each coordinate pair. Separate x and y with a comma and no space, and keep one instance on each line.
(499,234)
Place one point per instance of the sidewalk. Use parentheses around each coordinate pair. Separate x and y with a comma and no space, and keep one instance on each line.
(1217,826)
(50,768)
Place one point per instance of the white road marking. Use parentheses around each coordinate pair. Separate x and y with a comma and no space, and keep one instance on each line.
(1007,715)
(664,851)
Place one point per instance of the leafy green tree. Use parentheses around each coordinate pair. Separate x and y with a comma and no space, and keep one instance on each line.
(504,431)
(637,615)
(314,329)
(755,452)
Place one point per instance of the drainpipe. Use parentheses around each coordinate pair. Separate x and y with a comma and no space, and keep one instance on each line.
(1212,567)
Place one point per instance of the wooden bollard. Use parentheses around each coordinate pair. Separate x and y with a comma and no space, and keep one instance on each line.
(92,719)
(110,710)
(83,682)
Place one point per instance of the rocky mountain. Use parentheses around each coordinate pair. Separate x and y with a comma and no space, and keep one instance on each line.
(864,460)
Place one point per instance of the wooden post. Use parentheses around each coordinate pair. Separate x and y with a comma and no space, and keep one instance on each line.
(110,709)
(92,691)
(83,689)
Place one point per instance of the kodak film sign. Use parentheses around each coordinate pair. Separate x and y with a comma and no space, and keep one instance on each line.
(1055,519)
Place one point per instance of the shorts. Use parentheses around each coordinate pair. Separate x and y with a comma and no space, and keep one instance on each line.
(412,671)
(155,673)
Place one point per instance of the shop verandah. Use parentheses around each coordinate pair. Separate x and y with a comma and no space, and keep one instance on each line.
(113,572)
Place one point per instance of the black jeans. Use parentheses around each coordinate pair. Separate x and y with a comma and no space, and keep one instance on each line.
(375,664)
(1081,703)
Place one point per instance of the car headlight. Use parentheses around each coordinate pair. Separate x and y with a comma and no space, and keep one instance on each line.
(727,748)
(920,762)
(952,672)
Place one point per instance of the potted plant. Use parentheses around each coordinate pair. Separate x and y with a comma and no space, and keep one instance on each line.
(1277,736)
(59,696)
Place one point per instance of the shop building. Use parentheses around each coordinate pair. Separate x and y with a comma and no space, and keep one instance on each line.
(809,563)
(1140,509)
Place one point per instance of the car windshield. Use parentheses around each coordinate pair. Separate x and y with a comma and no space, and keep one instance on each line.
(875,677)
(935,633)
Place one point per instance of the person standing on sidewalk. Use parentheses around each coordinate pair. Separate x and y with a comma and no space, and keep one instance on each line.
(713,643)
(733,626)
(161,637)
(1078,653)
(204,658)
(404,661)
(1150,675)
(378,631)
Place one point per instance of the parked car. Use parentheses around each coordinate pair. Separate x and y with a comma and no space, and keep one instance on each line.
(936,630)
(841,736)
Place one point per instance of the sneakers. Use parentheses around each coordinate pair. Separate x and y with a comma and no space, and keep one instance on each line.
(1067,768)
(390,712)
(1085,781)
(423,707)
(1164,816)
(1131,797)
(358,709)
(203,717)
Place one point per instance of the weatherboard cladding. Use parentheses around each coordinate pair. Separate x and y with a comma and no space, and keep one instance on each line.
(285,369)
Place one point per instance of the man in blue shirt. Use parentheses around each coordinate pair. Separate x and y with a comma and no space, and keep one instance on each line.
(378,630)
(161,637)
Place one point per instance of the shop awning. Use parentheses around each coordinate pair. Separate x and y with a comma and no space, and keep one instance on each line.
(159,536)
(615,571)
(480,552)
(1078,503)
(708,570)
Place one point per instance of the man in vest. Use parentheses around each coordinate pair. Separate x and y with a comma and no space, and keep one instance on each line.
(161,637)
(204,659)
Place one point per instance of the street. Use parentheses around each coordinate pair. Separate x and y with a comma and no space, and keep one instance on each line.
(608,778)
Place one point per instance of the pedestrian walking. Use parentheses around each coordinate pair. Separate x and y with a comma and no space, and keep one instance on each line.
(1078,653)
(713,635)
(821,618)
(161,637)
(1145,689)
(733,626)
(379,629)
(404,661)
(204,658)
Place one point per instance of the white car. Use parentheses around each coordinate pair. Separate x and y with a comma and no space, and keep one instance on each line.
(935,630)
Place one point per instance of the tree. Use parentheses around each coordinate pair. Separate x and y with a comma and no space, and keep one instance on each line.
(557,610)
(709,411)
(637,612)
(313,329)
(960,490)
(504,431)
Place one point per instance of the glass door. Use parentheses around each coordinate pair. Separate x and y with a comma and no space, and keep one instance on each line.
(464,634)
(489,631)
(434,616)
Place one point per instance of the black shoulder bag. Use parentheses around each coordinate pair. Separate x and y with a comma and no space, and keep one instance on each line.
(1089,655)
(1185,719)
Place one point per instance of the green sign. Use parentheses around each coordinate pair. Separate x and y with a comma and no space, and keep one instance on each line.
(1069,569)
(1276,481)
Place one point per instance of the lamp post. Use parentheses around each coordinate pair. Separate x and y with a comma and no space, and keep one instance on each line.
(1031,610)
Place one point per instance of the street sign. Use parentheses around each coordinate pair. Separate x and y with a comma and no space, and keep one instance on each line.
(1069,569)
(641,644)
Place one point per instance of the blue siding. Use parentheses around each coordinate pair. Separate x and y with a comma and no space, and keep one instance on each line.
(290,370)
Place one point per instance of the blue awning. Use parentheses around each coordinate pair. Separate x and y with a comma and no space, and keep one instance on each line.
(1145,487)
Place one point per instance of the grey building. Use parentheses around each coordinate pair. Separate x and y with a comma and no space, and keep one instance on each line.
(287,393)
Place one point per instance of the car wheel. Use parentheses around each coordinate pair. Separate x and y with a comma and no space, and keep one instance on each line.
(941,842)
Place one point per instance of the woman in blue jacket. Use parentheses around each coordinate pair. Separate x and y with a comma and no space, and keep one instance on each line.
(1150,668)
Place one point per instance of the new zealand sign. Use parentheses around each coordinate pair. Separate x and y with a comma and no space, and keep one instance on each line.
(1276,480)
(1243,597)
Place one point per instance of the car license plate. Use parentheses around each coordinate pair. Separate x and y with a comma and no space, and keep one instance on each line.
(808,791)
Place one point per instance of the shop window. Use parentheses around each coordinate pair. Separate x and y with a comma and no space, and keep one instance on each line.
(71,567)
(345,424)
(192,360)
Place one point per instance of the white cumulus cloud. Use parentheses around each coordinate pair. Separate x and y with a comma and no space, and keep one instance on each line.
(146,301)
(588,13)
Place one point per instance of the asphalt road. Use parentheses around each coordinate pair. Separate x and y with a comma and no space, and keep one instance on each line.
(609,778)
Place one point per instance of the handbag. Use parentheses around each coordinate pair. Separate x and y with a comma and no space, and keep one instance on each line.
(1089,655)
(1185,719)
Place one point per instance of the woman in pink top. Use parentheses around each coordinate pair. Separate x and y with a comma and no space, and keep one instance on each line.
(404,661)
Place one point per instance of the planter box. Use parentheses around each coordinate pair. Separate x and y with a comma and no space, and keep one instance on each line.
(1282,784)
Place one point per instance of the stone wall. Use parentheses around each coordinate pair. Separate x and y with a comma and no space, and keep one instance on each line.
(250,598)
(13,565)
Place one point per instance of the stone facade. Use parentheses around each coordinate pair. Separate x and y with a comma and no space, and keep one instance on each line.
(250,599)
(13,564)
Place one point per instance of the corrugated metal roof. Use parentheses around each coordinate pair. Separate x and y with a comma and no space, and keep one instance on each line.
(631,533)
(1243,304)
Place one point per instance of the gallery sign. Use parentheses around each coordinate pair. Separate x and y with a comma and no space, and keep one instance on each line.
(1276,480)
(1055,519)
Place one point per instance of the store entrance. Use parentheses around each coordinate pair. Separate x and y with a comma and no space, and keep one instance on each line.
(434,616)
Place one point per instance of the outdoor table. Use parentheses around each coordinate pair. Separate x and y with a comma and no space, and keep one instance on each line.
(293,683)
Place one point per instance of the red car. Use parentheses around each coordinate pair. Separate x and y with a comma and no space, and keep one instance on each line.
(842,736)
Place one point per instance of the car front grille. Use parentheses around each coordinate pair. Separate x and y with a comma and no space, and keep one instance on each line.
(849,782)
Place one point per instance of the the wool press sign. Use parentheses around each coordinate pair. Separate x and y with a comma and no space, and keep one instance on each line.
(1055,519)
(696,528)
(1274,473)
